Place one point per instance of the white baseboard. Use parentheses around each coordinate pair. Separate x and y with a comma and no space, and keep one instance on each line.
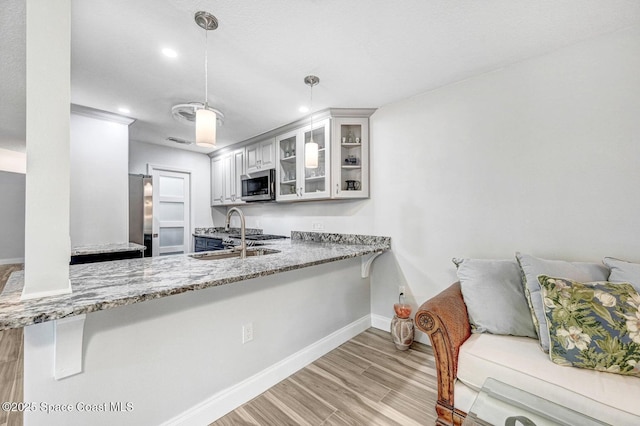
(384,323)
(229,399)
(380,322)
(11,261)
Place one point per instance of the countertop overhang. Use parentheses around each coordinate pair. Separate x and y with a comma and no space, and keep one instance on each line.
(101,286)
(105,248)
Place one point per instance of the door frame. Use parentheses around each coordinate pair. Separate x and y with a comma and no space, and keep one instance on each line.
(151,168)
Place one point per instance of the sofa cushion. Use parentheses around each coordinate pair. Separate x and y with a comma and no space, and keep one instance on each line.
(518,361)
(532,267)
(593,325)
(621,271)
(493,293)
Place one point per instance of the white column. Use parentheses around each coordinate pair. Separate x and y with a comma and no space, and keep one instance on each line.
(47,245)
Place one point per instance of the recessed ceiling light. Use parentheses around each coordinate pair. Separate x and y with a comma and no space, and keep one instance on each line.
(124,110)
(170,53)
(303,109)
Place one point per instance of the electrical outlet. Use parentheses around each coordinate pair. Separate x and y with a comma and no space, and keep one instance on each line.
(401,290)
(247,332)
(317,226)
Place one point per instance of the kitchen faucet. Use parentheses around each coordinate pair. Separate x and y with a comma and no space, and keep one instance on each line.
(243,242)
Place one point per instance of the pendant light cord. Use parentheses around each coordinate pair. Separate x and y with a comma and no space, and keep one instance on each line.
(311,109)
(206,69)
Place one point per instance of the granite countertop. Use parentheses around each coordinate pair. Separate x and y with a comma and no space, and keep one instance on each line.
(101,286)
(221,232)
(106,248)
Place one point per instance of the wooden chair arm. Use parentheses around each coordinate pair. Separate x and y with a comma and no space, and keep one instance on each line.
(445,320)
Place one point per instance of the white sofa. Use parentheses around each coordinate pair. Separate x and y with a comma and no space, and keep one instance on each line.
(464,360)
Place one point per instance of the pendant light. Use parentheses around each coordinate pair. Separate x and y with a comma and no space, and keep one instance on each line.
(311,148)
(206,118)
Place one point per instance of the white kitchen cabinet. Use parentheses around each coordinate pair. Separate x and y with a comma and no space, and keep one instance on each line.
(295,182)
(260,156)
(226,172)
(217,181)
(350,160)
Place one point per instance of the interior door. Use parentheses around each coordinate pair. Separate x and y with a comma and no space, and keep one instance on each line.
(171,212)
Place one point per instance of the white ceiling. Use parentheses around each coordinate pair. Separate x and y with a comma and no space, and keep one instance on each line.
(367,53)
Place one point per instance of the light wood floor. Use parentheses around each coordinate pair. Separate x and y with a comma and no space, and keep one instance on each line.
(11,362)
(365,381)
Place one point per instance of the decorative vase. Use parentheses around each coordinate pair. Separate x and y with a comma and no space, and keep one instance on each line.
(402,332)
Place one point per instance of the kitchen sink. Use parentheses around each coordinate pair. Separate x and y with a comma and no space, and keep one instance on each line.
(228,254)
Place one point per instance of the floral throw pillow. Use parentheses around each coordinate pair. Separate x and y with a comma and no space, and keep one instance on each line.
(593,325)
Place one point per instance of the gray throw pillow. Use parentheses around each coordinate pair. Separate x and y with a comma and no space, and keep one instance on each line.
(494,295)
(532,267)
(623,272)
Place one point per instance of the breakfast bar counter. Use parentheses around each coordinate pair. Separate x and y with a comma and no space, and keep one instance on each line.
(102,286)
(189,358)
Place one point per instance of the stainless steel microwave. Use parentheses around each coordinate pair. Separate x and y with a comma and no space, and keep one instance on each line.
(259,186)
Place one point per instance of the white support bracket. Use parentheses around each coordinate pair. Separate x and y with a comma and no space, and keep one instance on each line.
(67,344)
(366,263)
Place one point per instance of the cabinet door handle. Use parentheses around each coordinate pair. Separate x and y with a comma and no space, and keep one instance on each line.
(337,188)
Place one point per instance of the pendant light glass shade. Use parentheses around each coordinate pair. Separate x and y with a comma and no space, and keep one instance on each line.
(205,128)
(311,154)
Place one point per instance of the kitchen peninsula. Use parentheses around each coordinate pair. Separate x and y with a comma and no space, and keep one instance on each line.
(183,358)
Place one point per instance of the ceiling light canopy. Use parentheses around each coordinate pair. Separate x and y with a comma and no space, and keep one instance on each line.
(205,118)
(186,113)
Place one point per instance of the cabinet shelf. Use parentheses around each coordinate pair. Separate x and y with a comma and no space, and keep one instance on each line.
(288,182)
(290,159)
(314,178)
(351,144)
(351,167)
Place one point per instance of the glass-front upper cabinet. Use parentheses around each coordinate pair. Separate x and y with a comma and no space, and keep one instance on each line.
(287,187)
(350,161)
(294,180)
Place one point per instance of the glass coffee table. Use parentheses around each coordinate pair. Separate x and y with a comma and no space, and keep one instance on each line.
(501,404)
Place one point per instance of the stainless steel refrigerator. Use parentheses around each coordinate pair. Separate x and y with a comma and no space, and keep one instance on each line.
(141,211)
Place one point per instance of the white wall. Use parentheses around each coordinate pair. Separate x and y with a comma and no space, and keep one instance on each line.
(99,189)
(99,181)
(12,194)
(348,216)
(165,356)
(540,156)
(141,154)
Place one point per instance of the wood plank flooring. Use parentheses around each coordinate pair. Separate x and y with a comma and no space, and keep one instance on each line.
(11,361)
(365,381)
